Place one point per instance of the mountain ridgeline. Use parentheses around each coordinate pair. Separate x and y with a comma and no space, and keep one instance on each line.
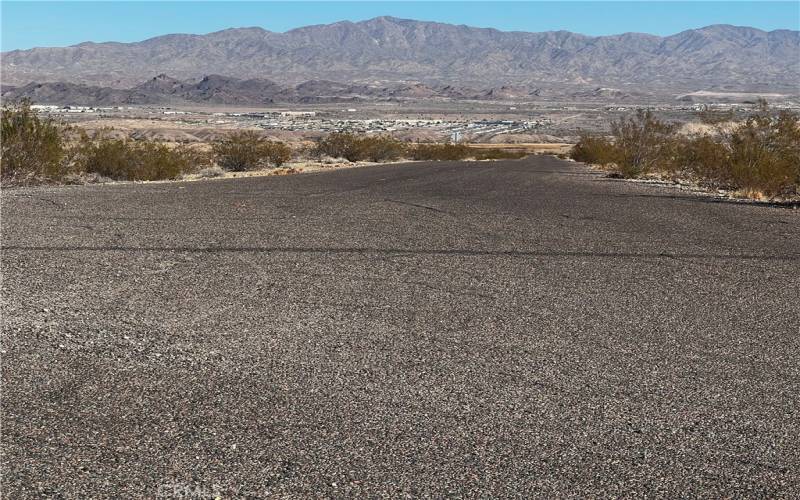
(217,89)
(387,49)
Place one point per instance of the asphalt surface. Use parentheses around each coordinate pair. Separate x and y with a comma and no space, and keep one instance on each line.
(516,328)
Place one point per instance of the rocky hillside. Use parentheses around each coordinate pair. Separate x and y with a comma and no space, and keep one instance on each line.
(217,89)
(386,49)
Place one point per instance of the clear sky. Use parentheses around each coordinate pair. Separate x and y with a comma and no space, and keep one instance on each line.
(42,24)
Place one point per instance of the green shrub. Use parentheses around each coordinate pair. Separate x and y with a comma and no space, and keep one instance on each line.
(595,150)
(340,145)
(277,153)
(642,144)
(384,148)
(441,152)
(703,158)
(158,161)
(359,148)
(33,148)
(455,152)
(639,145)
(496,154)
(764,153)
(123,159)
(761,155)
(381,148)
(249,150)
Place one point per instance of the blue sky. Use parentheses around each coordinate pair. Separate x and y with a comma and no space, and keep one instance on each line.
(41,24)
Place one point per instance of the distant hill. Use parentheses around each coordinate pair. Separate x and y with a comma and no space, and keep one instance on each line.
(387,49)
(217,89)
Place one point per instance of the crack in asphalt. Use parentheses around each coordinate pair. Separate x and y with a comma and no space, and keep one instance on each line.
(418,206)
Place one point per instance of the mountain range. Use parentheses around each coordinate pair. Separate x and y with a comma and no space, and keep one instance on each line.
(389,50)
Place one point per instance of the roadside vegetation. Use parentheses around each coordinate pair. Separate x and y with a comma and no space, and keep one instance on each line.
(248,150)
(758,156)
(453,152)
(129,160)
(32,147)
(378,148)
(40,150)
(360,148)
(37,149)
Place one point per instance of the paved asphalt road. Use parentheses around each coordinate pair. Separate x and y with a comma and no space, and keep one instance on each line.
(519,328)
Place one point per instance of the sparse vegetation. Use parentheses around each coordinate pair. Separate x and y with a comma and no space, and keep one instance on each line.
(384,148)
(248,150)
(453,152)
(278,153)
(594,149)
(360,148)
(39,150)
(124,159)
(440,152)
(641,144)
(36,150)
(211,172)
(340,145)
(33,148)
(497,154)
(759,156)
(712,117)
